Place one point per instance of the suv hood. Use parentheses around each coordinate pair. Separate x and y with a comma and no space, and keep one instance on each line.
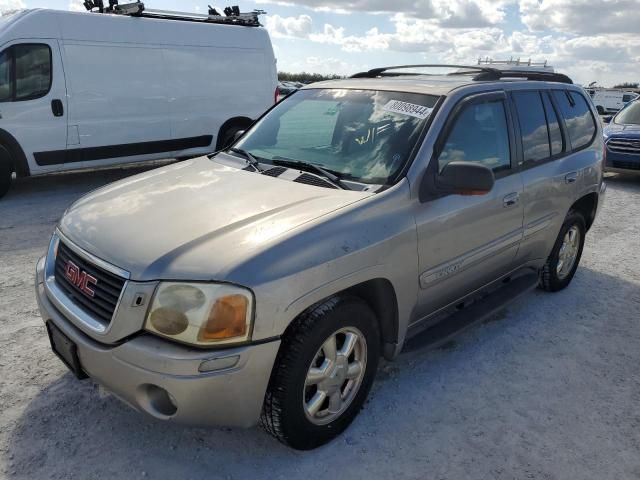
(194,220)
(630,130)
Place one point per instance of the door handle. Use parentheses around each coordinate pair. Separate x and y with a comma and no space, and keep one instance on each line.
(57,108)
(511,199)
(571,177)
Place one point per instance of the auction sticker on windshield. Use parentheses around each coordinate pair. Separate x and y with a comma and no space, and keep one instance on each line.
(411,109)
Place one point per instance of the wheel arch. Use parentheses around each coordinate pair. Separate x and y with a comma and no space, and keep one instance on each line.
(231,123)
(380,295)
(18,158)
(587,206)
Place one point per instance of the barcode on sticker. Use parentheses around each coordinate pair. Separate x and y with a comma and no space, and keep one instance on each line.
(411,109)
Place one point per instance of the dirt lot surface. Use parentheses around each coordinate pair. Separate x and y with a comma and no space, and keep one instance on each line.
(550,389)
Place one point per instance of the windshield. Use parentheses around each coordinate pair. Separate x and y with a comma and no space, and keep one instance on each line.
(363,136)
(629,115)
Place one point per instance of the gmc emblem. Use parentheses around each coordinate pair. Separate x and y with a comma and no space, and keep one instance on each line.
(80,279)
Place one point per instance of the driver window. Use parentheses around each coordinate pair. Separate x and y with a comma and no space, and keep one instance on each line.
(480,134)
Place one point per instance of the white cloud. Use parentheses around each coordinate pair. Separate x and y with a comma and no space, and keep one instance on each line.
(582,17)
(76,6)
(289,27)
(10,5)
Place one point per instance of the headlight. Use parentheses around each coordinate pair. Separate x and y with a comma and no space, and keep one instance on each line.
(201,313)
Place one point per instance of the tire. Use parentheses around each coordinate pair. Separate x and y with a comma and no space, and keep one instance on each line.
(285,413)
(600,110)
(556,274)
(226,138)
(6,171)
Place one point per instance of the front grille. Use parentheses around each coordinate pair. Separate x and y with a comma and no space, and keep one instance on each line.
(313,180)
(626,165)
(624,145)
(107,288)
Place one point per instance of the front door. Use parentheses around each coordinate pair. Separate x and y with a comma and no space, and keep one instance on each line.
(33,101)
(465,242)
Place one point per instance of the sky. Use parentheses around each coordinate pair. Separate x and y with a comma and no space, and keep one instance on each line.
(590,40)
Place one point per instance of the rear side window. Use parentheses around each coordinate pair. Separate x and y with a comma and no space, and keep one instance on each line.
(6,69)
(577,117)
(555,133)
(25,72)
(480,134)
(533,126)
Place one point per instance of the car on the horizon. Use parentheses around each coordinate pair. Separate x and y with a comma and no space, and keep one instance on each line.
(622,140)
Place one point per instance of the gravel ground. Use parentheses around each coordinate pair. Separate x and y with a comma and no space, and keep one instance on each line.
(549,389)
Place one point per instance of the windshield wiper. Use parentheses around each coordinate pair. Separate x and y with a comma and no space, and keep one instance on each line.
(251,160)
(310,167)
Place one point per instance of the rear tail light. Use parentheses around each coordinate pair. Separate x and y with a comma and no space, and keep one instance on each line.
(604,156)
(277,94)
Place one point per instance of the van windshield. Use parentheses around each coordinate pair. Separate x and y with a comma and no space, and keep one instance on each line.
(629,115)
(360,135)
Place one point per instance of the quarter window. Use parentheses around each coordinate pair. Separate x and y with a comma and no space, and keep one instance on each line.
(25,72)
(533,126)
(555,133)
(577,117)
(480,134)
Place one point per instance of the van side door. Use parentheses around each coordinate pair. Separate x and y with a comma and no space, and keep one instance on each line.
(118,103)
(33,101)
(556,127)
(466,242)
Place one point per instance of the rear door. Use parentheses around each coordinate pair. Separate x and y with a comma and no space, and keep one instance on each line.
(556,127)
(33,101)
(465,242)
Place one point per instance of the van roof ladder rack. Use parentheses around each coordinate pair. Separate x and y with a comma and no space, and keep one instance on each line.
(480,73)
(232,15)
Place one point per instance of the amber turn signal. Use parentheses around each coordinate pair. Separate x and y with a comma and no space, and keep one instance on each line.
(227,319)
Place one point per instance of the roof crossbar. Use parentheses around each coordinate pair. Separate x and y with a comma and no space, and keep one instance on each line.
(232,15)
(480,73)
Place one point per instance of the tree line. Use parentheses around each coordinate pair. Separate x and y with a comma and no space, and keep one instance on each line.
(305,77)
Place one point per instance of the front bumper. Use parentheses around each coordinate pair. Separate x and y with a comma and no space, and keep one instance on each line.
(166,381)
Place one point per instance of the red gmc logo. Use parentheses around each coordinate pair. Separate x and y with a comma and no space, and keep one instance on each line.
(80,279)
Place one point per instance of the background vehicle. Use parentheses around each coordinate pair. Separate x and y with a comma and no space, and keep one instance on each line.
(622,138)
(610,100)
(355,214)
(87,90)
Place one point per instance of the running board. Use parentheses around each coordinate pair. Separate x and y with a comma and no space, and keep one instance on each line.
(467,317)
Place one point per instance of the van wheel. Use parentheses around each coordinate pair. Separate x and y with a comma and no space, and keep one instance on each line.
(323,373)
(6,171)
(226,137)
(565,256)
(600,110)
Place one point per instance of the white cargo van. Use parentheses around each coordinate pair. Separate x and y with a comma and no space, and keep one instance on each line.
(610,100)
(89,90)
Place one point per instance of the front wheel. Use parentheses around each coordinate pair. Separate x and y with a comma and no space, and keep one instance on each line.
(323,373)
(563,262)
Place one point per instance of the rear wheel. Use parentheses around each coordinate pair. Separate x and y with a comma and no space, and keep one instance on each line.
(600,110)
(563,262)
(323,373)
(6,171)
(227,136)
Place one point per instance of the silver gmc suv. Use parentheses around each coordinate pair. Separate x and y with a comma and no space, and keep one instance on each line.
(264,283)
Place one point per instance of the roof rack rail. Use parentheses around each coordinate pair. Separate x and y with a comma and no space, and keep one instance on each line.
(524,74)
(232,15)
(382,72)
(480,73)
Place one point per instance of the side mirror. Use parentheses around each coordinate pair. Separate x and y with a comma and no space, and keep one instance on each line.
(465,178)
(607,119)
